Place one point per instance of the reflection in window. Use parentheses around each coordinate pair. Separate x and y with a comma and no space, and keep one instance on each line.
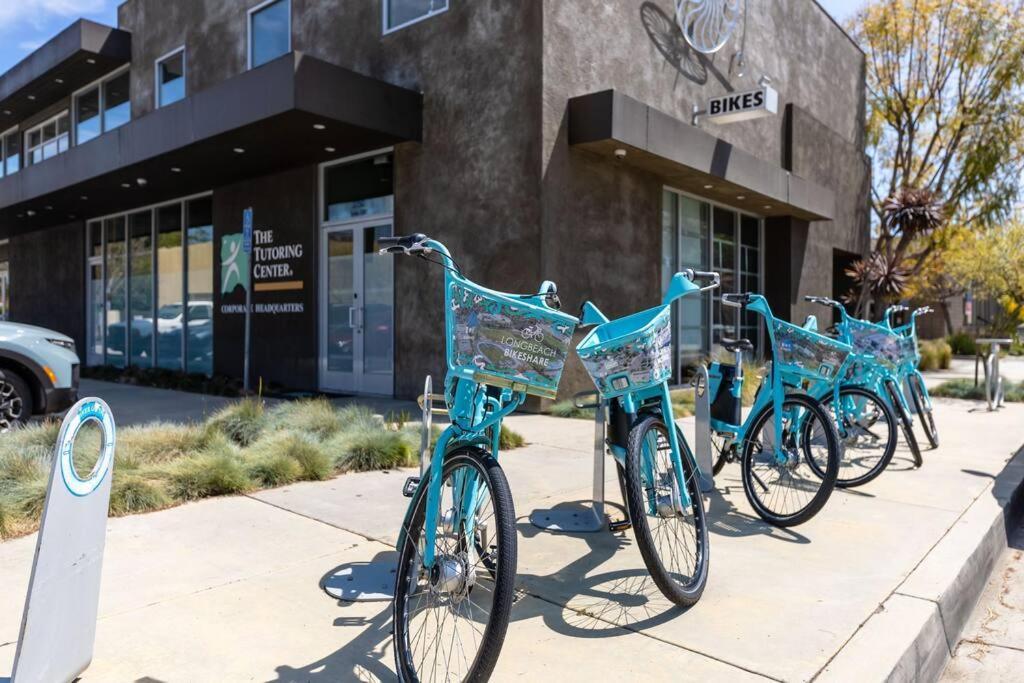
(199,344)
(141,288)
(116,107)
(10,153)
(170,79)
(340,301)
(378,306)
(269,32)
(5,281)
(116,291)
(398,13)
(87,116)
(96,304)
(170,321)
(47,140)
(359,189)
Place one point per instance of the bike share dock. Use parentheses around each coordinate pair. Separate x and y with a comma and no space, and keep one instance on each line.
(879,582)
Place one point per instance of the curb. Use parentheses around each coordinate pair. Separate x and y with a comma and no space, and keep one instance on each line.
(911,636)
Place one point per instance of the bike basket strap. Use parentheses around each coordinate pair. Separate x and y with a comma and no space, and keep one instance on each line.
(807,353)
(629,354)
(877,341)
(506,342)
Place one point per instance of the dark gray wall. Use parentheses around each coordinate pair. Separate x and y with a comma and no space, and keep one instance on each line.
(48,280)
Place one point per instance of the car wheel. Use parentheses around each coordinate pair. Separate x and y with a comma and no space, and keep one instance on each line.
(15,401)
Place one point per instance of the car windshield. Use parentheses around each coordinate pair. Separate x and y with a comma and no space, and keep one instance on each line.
(169,312)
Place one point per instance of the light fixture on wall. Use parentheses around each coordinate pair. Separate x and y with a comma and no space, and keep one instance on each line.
(708,187)
(175,169)
(741,197)
(239,150)
(319,126)
(329,150)
(141,182)
(126,185)
(620,153)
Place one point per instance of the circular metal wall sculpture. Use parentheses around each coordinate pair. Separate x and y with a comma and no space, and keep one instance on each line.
(707,25)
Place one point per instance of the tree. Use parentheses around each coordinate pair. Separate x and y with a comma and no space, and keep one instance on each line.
(945,100)
(990,262)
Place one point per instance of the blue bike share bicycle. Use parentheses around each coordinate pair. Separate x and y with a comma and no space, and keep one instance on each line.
(787,446)
(454,585)
(881,353)
(630,362)
(910,377)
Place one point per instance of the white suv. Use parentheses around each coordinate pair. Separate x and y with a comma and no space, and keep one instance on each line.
(38,373)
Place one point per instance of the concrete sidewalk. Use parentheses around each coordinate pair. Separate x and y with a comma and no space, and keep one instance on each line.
(228,589)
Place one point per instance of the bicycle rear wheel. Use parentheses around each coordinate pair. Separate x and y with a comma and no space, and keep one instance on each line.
(790,492)
(906,423)
(450,620)
(924,410)
(867,435)
(673,539)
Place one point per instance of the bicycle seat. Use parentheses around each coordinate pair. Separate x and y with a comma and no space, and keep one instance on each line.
(737,344)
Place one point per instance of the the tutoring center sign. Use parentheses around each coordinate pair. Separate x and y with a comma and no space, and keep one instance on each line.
(273,266)
(743,106)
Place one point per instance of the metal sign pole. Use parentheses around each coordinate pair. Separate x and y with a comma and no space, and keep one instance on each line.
(702,431)
(247,247)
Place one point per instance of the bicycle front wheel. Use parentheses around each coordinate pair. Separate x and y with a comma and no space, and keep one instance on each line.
(924,410)
(450,619)
(906,423)
(867,434)
(672,537)
(780,484)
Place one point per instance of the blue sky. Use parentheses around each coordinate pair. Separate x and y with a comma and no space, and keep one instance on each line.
(841,10)
(27,24)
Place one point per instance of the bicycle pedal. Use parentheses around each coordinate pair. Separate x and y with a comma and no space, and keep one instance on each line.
(615,526)
(410,486)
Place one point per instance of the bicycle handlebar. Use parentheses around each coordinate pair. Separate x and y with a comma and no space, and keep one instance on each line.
(735,299)
(693,275)
(823,300)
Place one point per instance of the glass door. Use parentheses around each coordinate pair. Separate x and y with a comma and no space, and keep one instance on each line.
(356,309)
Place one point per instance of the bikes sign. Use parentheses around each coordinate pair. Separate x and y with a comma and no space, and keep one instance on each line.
(742,106)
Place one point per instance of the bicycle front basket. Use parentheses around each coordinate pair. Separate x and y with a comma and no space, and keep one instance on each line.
(807,353)
(507,342)
(629,354)
(877,341)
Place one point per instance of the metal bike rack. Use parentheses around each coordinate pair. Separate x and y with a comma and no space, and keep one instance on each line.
(589,520)
(994,402)
(702,435)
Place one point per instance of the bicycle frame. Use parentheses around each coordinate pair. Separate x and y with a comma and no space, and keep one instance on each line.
(784,377)
(633,401)
(476,409)
(908,365)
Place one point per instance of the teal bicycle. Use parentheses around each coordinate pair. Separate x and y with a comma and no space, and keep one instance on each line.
(454,586)
(630,363)
(787,446)
(910,377)
(881,351)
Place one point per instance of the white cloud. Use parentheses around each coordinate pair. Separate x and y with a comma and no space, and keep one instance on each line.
(14,14)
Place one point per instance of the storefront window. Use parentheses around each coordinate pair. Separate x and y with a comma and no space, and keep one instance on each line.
(116,291)
(199,344)
(270,28)
(137,307)
(170,313)
(697,234)
(141,289)
(360,189)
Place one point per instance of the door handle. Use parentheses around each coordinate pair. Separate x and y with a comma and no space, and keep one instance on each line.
(351,311)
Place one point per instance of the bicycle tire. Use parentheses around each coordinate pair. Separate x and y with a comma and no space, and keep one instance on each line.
(905,423)
(827,482)
(924,411)
(650,541)
(503,571)
(887,418)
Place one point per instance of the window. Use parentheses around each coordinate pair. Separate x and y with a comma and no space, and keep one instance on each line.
(170,77)
(5,281)
(10,153)
(400,13)
(270,31)
(102,106)
(359,189)
(48,139)
(700,235)
(149,298)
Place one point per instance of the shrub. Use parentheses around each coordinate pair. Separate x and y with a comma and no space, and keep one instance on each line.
(568,409)
(508,439)
(273,469)
(315,417)
(242,422)
(312,458)
(160,442)
(945,354)
(363,448)
(929,356)
(213,472)
(965,389)
(962,344)
(132,493)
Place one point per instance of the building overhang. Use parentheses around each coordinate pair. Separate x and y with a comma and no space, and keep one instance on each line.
(293,111)
(690,159)
(75,57)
